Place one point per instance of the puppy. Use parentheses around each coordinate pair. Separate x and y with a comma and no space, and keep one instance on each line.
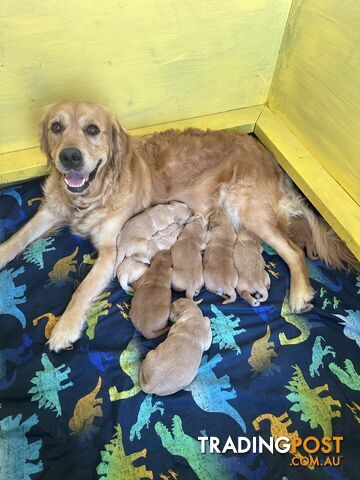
(173,365)
(150,306)
(220,275)
(250,265)
(300,233)
(131,269)
(134,237)
(187,259)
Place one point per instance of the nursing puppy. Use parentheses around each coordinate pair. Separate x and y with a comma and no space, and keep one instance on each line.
(173,365)
(131,268)
(187,259)
(134,237)
(300,232)
(250,265)
(150,306)
(220,275)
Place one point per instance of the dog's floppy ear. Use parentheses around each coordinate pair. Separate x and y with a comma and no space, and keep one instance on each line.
(43,132)
(120,144)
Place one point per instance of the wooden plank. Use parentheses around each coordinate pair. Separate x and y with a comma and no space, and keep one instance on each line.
(315,90)
(324,192)
(24,164)
(149,61)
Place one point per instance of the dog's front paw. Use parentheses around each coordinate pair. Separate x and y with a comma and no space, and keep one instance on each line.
(300,300)
(64,334)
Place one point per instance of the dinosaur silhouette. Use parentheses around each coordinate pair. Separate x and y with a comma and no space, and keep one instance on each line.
(50,324)
(15,356)
(86,409)
(210,392)
(35,199)
(265,312)
(12,192)
(36,250)
(313,408)
(299,321)
(316,273)
(355,410)
(116,465)
(349,376)
(224,328)
(48,383)
(17,455)
(101,360)
(60,272)
(318,353)
(262,352)
(352,325)
(206,466)
(147,408)
(11,224)
(130,360)
(12,295)
(98,309)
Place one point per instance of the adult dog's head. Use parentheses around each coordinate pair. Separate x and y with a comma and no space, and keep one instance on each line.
(81,140)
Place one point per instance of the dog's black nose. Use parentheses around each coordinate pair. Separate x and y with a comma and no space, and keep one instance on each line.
(71,158)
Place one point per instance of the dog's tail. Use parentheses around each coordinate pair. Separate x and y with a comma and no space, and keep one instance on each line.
(330,248)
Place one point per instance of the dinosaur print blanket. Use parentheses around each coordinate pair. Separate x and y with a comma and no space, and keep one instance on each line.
(80,414)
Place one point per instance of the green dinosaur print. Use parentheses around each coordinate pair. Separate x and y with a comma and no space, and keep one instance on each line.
(299,321)
(224,329)
(147,408)
(130,360)
(12,295)
(326,302)
(336,303)
(17,455)
(262,352)
(36,250)
(314,409)
(349,376)
(211,393)
(117,465)
(47,385)
(88,260)
(351,324)
(318,353)
(322,292)
(206,466)
(98,309)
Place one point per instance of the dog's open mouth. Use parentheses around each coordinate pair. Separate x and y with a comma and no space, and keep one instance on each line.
(78,182)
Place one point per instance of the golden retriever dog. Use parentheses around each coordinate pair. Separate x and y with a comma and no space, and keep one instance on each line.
(100,177)
(173,365)
(220,274)
(133,240)
(150,306)
(131,269)
(250,265)
(300,233)
(187,259)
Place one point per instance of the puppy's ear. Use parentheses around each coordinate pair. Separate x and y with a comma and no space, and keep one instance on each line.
(120,144)
(43,132)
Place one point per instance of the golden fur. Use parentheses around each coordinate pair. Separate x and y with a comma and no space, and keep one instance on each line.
(202,169)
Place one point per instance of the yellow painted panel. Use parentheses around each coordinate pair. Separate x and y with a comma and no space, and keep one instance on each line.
(316,85)
(24,164)
(150,61)
(331,200)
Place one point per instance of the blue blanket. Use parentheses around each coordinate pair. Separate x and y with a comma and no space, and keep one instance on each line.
(80,414)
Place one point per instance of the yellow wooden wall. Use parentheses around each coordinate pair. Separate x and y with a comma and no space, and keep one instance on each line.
(316,86)
(150,61)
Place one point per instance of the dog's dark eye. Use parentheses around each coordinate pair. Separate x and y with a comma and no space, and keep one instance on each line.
(56,127)
(92,130)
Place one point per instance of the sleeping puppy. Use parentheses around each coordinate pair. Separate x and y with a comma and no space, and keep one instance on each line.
(173,365)
(134,237)
(220,274)
(187,259)
(300,233)
(150,306)
(250,265)
(131,269)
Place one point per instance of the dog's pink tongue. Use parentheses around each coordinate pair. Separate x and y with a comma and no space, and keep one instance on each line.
(76,179)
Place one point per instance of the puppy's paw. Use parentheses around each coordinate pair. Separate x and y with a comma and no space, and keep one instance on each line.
(64,334)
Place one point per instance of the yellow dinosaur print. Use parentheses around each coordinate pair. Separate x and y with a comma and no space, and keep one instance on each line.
(63,267)
(86,409)
(279,428)
(299,321)
(271,269)
(35,199)
(98,309)
(124,309)
(262,352)
(50,324)
(355,410)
